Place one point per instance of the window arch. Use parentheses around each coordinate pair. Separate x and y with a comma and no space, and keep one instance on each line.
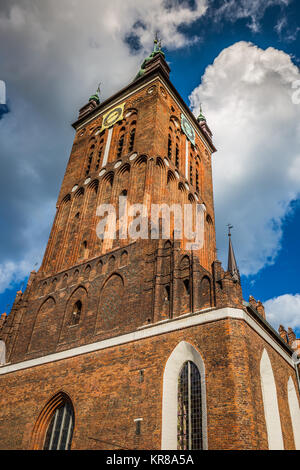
(270,403)
(76,313)
(89,161)
(111,303)
(60,429)
(176,367)
(84,250)
(55,425)
(197,180)
(132,137)
(191,171)
(100,151)
(294,411)
(189,434)
(177,155)
(121,142)
(169,147)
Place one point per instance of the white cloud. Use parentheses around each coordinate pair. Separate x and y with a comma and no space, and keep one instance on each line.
(247,100)
(254,9)
(283,310)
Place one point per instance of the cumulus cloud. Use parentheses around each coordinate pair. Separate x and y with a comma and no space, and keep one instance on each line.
(284,310)
(247,96)
(52,58)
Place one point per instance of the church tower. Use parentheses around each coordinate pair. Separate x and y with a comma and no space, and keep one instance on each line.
(130,341)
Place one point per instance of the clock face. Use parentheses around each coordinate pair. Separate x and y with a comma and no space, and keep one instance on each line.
(187,129)
(112,117)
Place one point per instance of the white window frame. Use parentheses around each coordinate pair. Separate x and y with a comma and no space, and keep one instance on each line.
(270,403)
(294,412)
(182,353)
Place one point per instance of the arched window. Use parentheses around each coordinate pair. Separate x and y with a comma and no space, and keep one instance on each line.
(191,171)
(177,156)
(121,143)
(270,402)
(189,435)
(294,411)
(84,250)
(54,427)
(197,180)
(186,284)
(170,147)
(131,140)
(167,293)
(184,416)
(100,151)
(76,313)
(60,430)
(90,159)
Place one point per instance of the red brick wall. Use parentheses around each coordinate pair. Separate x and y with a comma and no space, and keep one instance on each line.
(107,394)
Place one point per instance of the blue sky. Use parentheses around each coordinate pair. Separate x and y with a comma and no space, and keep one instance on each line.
(239,58)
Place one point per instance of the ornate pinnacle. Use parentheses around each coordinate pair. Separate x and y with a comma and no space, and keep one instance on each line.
(201,116)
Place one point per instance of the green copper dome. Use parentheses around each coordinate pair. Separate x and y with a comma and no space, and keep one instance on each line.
(95,98)
(201,116)
(156,50)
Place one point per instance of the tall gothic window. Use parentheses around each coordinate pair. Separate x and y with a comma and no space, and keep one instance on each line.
(177,156)
(76,313)
(131,139)
(60,429)
(191,171)
(169,147)
(99,154)
(121,142)
(189,420)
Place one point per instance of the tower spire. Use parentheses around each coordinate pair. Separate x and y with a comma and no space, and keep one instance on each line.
(232,264)
(96,96)
(201,116)
(157,50)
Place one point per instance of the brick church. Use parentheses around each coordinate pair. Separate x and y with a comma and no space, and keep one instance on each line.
(122,343)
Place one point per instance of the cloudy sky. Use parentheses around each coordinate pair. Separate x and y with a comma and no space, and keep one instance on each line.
(240,58)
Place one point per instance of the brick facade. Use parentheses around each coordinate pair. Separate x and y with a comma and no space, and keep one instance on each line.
(95,294)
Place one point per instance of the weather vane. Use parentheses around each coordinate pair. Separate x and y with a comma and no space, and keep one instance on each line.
(99,89)
(229,229)
(157,42)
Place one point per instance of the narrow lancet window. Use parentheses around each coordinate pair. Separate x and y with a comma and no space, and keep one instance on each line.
(169,147)
(189,433)
(177,156)
(76,313)
(60,430)
(131,140)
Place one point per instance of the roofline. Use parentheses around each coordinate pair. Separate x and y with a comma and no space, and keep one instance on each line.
(267,325)
(140,82)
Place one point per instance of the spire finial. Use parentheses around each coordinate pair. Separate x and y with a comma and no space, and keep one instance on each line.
(156,50)
(96,96)
(157,43)
(201,116)
(229,229)
(232,264)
